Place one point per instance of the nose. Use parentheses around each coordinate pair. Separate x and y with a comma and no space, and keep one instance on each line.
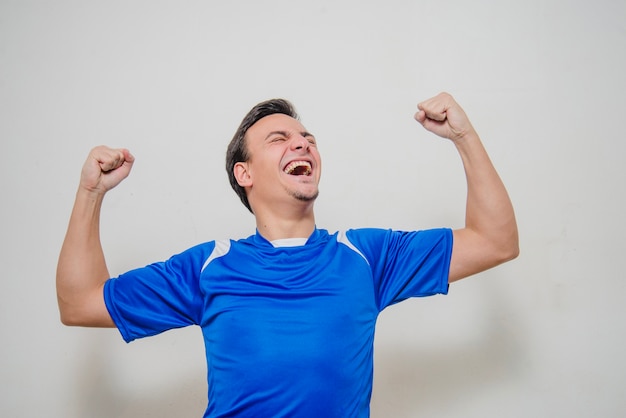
(299,142)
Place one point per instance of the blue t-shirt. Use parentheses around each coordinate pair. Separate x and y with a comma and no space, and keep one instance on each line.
(288,331)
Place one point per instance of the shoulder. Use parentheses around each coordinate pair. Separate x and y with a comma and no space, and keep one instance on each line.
(374,241)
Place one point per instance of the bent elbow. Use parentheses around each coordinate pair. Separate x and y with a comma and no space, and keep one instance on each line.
(509,250)
(512,254)
(67,312)
(515,252)
(65,320)
(68,318)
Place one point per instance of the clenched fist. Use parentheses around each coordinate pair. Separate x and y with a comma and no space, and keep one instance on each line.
(443,116)
(105,168)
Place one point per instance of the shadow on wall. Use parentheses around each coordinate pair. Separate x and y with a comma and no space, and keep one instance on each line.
(411,380)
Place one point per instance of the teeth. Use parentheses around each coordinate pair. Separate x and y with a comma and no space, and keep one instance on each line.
(294,166)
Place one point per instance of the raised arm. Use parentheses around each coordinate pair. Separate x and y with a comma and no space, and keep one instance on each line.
(490,234)
(82,270)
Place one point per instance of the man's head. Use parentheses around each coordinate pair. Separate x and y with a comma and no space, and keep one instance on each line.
(271,147)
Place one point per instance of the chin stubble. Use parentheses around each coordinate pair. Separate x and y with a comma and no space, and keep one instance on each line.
(305,197)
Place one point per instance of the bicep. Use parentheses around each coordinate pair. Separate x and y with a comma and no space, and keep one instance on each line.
(471,254)
(91,312)
(100,313)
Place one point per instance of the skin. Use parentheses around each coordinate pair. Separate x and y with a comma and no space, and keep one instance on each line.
(283,204)
(490,235)
(82,270)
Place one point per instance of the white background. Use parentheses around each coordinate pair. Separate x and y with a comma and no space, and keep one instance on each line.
(542,81)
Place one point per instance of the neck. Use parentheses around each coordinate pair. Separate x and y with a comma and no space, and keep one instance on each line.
(281,224)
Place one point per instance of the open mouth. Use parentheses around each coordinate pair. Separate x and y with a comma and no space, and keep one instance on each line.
(298,168)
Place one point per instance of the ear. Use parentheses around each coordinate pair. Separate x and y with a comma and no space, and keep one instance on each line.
(242,174)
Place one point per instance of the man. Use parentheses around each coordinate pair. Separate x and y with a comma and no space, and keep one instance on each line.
(288,314)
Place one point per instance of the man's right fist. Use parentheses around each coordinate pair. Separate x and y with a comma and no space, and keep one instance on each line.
(105,168)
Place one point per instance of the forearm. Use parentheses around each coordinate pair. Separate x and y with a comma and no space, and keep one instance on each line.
(490,233)
(489,211)
(82,270)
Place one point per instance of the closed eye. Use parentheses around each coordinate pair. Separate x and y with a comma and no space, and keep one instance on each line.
(309,138)
(280,136)
(276,136)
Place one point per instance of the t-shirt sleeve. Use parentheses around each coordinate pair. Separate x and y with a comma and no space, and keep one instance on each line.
(405,264)
(161,296)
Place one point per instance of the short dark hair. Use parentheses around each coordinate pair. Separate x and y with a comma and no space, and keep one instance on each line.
(238,150)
